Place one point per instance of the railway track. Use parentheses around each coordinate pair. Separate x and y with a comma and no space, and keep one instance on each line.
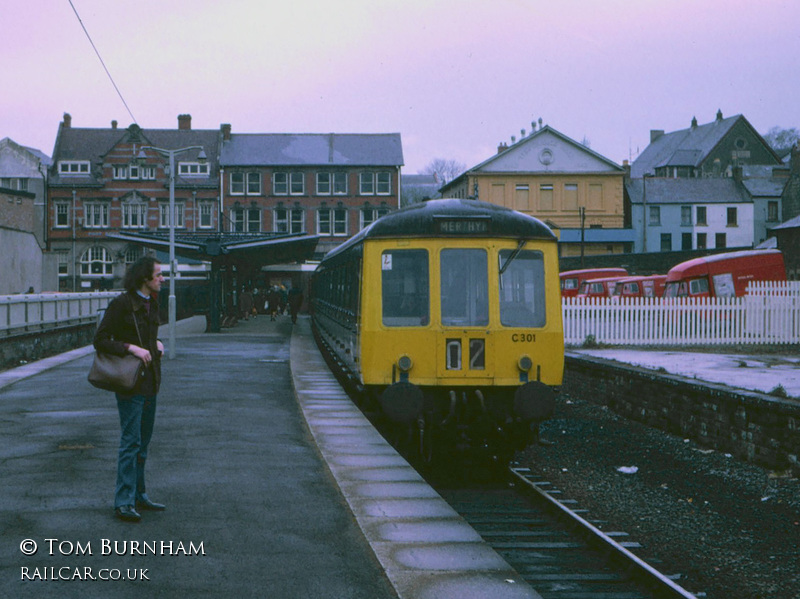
(552,545)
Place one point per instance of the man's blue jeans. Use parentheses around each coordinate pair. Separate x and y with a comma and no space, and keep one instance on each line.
(137,415)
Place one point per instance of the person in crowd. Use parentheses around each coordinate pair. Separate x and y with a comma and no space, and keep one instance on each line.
(295,301)
(130,326)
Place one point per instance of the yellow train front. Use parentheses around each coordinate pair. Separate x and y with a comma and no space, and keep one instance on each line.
(448,315)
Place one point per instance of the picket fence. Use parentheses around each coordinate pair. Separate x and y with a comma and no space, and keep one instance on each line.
(768,314)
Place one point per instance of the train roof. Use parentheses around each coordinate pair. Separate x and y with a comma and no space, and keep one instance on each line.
(683,267)
(453,218)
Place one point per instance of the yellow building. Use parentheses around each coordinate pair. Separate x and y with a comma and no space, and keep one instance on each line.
(577,192)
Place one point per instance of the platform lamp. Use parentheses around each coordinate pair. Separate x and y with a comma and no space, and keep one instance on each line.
(170,154)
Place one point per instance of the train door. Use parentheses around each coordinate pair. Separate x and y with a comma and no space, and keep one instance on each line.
(465,347)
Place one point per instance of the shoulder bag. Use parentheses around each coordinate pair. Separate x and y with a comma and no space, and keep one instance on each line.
(117,373)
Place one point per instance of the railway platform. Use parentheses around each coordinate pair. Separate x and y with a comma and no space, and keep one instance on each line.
(275,485)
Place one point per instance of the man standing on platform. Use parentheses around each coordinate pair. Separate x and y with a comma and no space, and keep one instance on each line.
(130,326)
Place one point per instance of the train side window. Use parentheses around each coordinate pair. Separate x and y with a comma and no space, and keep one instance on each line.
(464,287)
(522,290)
(697,286)
(404,288)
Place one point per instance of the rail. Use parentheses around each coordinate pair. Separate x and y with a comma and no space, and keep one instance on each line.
(27,313)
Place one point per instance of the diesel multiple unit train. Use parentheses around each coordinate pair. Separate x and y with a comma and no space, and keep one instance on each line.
(447,317)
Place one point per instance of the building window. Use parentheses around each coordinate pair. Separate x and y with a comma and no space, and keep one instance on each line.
(245,220)
(366,184)
(163,220)
(339,184)
(686,216)
(280,184)
(206,212)
(193,169)
(772,212)
(368,216)
(63,264)
(133,171)
(253,220)
(323,184)
(297,184)
(96,262)
(254,184)
(281,220)
(237,184)
(62,214)
(701,241)
(73,167)
(134,216)
(654,215)
(686,241)
(132,254)
(383,183)
(16,183)
(237,220)
(732,217)
(332,221)
(570,196)
(298,220)
(546,197)
(595,196)
(522,196)
(120,171)
(666,242)
(96,215)
(700,215)
(720,240)
(147,172)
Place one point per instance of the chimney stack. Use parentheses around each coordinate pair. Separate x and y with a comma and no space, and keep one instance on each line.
(67,120)
(655,134)
(719,114)
(226,131)
(694,122)
(113,124)
(184,121)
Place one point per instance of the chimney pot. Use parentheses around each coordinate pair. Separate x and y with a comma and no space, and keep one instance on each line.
(719,114)
(513,139)
(67,120)
(113,124)
(184,121)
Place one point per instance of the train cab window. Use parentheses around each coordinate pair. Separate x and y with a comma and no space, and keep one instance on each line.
(464,287)
(522,297)
(569,283)
(404,288)
(698,286)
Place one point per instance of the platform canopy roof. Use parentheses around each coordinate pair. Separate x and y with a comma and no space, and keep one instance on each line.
(253,248)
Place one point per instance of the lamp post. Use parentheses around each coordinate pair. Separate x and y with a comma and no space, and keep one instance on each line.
(170,154)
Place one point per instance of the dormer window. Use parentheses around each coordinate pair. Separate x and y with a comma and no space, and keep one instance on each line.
(73,167)
(193,169)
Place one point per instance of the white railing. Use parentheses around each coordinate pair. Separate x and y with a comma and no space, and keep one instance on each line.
(769,314)
(34,312)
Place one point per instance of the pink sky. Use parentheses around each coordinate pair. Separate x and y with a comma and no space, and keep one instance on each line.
(453,77)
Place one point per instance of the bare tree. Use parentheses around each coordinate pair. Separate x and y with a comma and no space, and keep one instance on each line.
(780,139)
(445,170)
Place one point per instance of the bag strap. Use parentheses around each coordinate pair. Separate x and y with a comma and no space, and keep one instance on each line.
(135,323)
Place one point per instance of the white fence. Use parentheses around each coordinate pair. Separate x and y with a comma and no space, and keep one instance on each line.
(769,314)
(34,312)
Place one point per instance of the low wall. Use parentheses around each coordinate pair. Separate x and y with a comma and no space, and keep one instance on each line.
(27,347)
(752,426)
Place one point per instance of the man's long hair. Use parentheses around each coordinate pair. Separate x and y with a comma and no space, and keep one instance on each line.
(139,272)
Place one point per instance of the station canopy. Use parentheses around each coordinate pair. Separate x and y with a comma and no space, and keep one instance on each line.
(247,248)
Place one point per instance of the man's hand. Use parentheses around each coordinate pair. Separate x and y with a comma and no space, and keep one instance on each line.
(141,353)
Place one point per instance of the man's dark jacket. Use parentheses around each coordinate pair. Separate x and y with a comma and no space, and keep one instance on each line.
(117,328)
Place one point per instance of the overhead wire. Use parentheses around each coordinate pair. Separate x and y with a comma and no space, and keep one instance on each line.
(89,37)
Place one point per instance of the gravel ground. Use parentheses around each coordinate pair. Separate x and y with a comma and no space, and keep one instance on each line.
(731,529)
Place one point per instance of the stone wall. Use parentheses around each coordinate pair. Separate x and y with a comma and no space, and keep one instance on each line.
(27,347)
(752,426)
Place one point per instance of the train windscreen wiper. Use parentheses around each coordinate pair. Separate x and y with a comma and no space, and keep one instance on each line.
(513,255)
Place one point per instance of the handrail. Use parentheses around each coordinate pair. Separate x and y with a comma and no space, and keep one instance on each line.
(32,312)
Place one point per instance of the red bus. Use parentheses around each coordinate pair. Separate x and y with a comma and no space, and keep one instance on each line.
(571,279)
(640,286)
(724,275)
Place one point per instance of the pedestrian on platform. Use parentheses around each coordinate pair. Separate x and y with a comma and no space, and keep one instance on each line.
(246,304)
(295,301)
(274,300)
(130,326)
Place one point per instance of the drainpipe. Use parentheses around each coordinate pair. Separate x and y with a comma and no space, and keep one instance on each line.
(219,212)
(74,257)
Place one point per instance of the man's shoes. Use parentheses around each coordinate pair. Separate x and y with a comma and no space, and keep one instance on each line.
(144,503)
(126,513)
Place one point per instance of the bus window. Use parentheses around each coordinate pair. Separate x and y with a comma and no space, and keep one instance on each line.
(723,285)
(698,286)
(404,288)
(522,298)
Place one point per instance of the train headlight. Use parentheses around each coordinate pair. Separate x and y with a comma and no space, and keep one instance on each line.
(525,363)
(404,364)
